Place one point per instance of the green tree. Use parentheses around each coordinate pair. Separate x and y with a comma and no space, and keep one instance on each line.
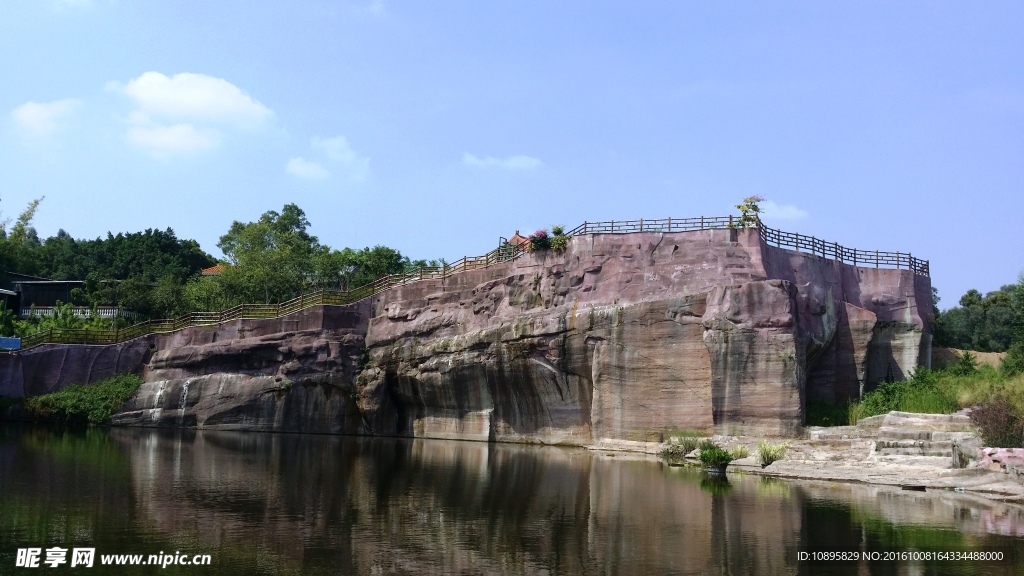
(987,323)
(18,244)
(272,259)
(750,211)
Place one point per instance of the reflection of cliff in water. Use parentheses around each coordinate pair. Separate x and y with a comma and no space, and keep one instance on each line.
(427,506)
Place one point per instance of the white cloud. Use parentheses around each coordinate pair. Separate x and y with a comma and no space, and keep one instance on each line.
(185,112)
(510,163)
(194,97)
(306,169)
(163,141)
(771,210)
(39,119)
(337,149)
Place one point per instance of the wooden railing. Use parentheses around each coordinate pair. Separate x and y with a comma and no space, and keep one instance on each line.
(771,236)
(812,245)
(504,253)
(656,225)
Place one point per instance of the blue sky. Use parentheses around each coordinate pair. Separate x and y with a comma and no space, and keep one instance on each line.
(436,127)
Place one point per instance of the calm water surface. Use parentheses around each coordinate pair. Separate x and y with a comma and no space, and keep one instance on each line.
(296,504)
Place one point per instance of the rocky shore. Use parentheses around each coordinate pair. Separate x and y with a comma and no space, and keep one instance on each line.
(933,452)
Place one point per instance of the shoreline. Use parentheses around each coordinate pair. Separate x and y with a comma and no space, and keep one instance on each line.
(857,455)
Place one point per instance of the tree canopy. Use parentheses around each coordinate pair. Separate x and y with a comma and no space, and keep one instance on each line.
(987,323)
(157,274)
(275,258)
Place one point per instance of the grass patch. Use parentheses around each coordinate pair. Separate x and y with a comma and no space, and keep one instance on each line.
(768,452)
(739,452)
(926,391)
(689,443)
(85,403)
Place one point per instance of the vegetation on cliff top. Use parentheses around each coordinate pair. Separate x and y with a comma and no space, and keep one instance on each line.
(158,275)
(81,404)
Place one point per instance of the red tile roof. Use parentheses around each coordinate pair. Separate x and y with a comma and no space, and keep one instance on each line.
(518,240)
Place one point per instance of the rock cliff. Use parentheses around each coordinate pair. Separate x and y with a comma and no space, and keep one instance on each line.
(621,336)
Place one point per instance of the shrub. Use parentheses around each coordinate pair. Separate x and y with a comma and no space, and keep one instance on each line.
(1013,362)
(675,453)
(768,452)
(86,403)
(1000,423)
(558,230)
(707,444)
(967,364)
(740,452)
(540,240)
(919,393)
(714,456)
(559,242)
(689,443)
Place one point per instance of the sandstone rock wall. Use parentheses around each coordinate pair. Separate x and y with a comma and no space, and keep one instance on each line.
(49,368)
(617,337)
(623,336)
(289,374)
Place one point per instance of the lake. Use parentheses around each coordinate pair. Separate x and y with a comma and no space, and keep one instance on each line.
(305,504)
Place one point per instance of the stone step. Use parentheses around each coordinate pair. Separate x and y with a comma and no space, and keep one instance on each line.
(890,432)
(914,448)
(948,453)
(834,432)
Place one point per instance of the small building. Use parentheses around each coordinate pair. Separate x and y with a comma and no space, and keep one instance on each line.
(215,270)
(41,292)
(519,240)
(35,296)
(8,299)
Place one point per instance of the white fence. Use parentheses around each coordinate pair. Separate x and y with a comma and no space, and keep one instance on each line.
(81,312)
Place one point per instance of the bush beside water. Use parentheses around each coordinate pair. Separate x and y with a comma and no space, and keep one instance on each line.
(997,396)
(768,452)
(85,403)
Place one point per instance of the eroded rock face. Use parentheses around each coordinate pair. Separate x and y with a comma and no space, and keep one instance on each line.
(50,367)
(290,374)
(623,336)
(618,337)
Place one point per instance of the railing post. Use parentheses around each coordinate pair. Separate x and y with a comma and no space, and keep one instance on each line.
(876,258)
(641,224)
(613,227)
(669,223)
(730,220)
(702,222)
